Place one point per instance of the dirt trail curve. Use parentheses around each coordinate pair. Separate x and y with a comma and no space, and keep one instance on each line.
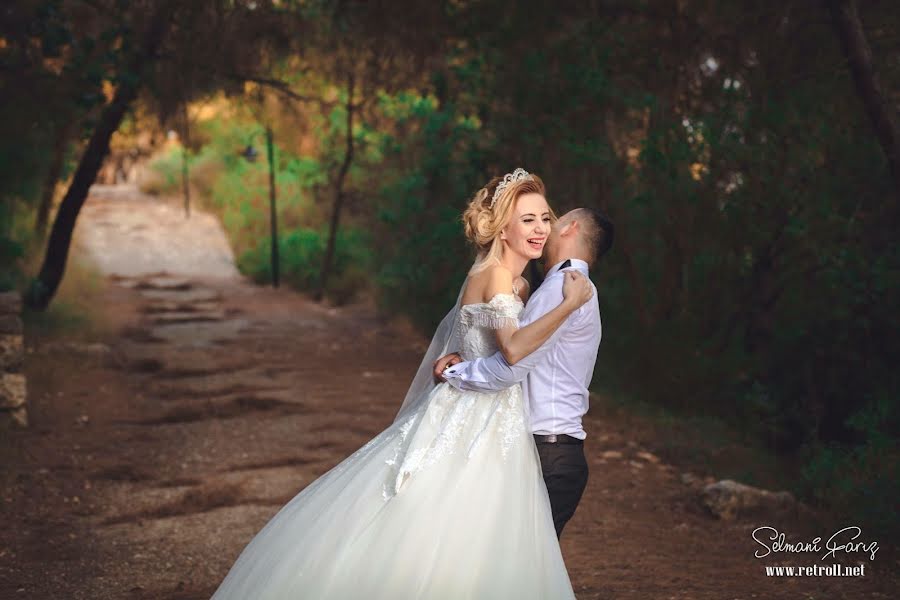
(156,454)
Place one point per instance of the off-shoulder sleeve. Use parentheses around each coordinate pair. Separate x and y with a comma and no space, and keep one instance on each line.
(502,311)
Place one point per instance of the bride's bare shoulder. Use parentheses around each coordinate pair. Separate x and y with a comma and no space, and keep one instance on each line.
(487,283)
(500,280)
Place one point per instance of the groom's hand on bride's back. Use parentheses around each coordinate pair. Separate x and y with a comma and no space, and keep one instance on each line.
(577,288)
(442,363)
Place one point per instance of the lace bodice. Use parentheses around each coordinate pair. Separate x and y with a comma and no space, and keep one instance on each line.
(477,323)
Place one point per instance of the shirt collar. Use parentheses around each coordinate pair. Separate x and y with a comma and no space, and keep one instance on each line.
(576,263)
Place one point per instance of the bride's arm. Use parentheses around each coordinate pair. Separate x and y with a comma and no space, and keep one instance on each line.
(517,343)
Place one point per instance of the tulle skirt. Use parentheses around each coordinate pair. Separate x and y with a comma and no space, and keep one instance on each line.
(446,503)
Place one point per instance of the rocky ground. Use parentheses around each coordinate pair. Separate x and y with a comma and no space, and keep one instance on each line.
(157,450)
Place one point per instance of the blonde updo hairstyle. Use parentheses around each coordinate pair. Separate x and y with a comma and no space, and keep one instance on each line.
(483,224)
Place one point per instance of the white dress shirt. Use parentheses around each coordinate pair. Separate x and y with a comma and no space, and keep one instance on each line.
(555,377)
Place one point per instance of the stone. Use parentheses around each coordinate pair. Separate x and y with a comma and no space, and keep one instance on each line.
(12,352)
(163,282)
(648,456)
(189,296)
(188,317)
(171,306)
(95,349)
(19,416)
(12,390)
(10,303)
(729,499)
(11,325)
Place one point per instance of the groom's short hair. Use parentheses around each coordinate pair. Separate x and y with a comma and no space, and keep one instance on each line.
(598,231)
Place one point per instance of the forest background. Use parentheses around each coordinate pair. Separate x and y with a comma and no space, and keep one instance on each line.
(746,151)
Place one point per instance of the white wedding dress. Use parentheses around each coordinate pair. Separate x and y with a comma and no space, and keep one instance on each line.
(446,503)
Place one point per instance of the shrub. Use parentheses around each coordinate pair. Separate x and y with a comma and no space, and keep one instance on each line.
(301,252)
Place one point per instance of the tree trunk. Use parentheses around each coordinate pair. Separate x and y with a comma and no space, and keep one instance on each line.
(845,17)
(63,133)
(338,195)
(44,286)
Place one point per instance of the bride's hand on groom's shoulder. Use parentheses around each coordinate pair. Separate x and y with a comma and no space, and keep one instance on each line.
(441,364)
(577,288)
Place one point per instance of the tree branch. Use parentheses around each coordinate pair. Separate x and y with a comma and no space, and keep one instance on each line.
(845,17)
(282,87)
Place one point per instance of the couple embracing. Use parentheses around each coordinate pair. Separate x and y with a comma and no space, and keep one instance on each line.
(465,494)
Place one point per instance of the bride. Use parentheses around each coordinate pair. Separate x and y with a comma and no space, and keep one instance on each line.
(448,502)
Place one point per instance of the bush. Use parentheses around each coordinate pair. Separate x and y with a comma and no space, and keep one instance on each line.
(10,273)
(301,253)
(430,170)
(16,237)
(163,175)
(860,480)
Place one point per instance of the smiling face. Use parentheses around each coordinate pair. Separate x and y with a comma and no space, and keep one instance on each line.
(528,228)
(550,248)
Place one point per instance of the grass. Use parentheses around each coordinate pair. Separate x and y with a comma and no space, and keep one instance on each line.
(75,312)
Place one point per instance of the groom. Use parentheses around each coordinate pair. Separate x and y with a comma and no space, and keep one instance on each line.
(556,376)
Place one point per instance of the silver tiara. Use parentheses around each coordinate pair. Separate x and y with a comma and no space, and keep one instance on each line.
(518,175)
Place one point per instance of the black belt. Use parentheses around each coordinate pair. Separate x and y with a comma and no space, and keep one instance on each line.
(557,438)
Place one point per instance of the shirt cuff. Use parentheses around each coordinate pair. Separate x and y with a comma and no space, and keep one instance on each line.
(452,376)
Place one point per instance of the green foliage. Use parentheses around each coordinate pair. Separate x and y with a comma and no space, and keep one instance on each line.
(301,253)
(52,70)
(166,167)
(237,190)
(73,314)
(13,241)
(426,178)
(754,277)
(862,479)
(755,272)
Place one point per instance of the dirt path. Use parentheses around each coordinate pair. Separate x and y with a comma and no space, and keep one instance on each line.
(156,455)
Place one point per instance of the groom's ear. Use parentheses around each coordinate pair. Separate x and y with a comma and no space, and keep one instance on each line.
(569,228)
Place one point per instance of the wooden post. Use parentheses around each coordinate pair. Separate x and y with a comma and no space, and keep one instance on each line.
(185,175)
(185,182)
(273,213)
